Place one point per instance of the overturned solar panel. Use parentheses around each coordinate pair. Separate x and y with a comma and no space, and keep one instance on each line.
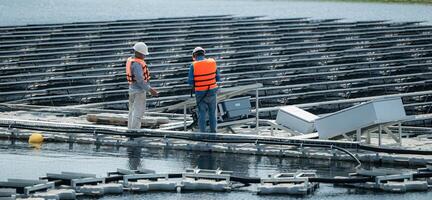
(363,116)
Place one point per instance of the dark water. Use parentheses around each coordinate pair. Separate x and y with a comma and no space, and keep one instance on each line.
(22,161)
(19,160)
(20,12)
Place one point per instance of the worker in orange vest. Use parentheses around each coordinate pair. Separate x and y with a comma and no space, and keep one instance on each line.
(138,77)
(203,76)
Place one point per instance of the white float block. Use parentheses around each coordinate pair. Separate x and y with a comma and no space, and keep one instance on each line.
(6,192)
(8,198)
(112,188)
(399,187)
(146,185)
(416,185)
(46,196)
(91,190)
(138,187)
(205,185)
(283,188)
(61,194)
(162,185)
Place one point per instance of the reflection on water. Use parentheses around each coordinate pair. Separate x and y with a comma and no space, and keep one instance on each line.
(134,157)
(160,160)
(36,146)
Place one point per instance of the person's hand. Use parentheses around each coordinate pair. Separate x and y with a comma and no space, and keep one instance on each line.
(153,92)
(218,91)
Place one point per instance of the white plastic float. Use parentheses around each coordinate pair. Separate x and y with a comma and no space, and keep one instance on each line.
(149,182)
(27,186)
(7,194)
(206,180)
(288,183)
(390,181)
(57,194)
(100,189)
(405,186)
(302,182)
(88,184)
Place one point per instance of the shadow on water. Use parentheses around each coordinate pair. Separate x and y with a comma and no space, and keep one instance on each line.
(134,157)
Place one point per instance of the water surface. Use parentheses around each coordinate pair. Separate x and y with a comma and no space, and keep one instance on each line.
(23,161)
(21,12)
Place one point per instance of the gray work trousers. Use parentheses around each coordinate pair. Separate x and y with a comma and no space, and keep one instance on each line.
(137,106)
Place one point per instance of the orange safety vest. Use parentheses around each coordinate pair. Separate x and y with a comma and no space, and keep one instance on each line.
(129,76)
(204,74)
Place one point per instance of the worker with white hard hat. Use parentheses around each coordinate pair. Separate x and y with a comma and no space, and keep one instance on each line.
(138,77)
(203,77)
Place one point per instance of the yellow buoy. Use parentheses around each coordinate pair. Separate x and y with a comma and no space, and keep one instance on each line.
(36,138)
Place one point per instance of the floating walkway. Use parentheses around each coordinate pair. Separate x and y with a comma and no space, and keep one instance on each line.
(271,145)
(70,185)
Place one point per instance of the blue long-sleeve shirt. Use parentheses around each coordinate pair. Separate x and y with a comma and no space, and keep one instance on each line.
(139,85)
(191,76)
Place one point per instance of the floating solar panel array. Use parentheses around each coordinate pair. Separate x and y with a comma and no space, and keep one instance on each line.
(329,63)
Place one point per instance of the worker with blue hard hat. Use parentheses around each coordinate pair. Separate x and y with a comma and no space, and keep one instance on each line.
(203,76)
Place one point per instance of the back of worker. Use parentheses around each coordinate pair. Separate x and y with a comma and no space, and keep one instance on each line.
(203,76)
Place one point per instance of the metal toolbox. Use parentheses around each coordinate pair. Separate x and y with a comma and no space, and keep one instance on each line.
(235,108)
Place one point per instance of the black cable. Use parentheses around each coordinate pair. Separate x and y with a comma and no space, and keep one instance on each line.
(331,147)
(392,150)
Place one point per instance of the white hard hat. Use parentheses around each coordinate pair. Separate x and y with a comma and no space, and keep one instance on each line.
(198,49)
(141,47)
